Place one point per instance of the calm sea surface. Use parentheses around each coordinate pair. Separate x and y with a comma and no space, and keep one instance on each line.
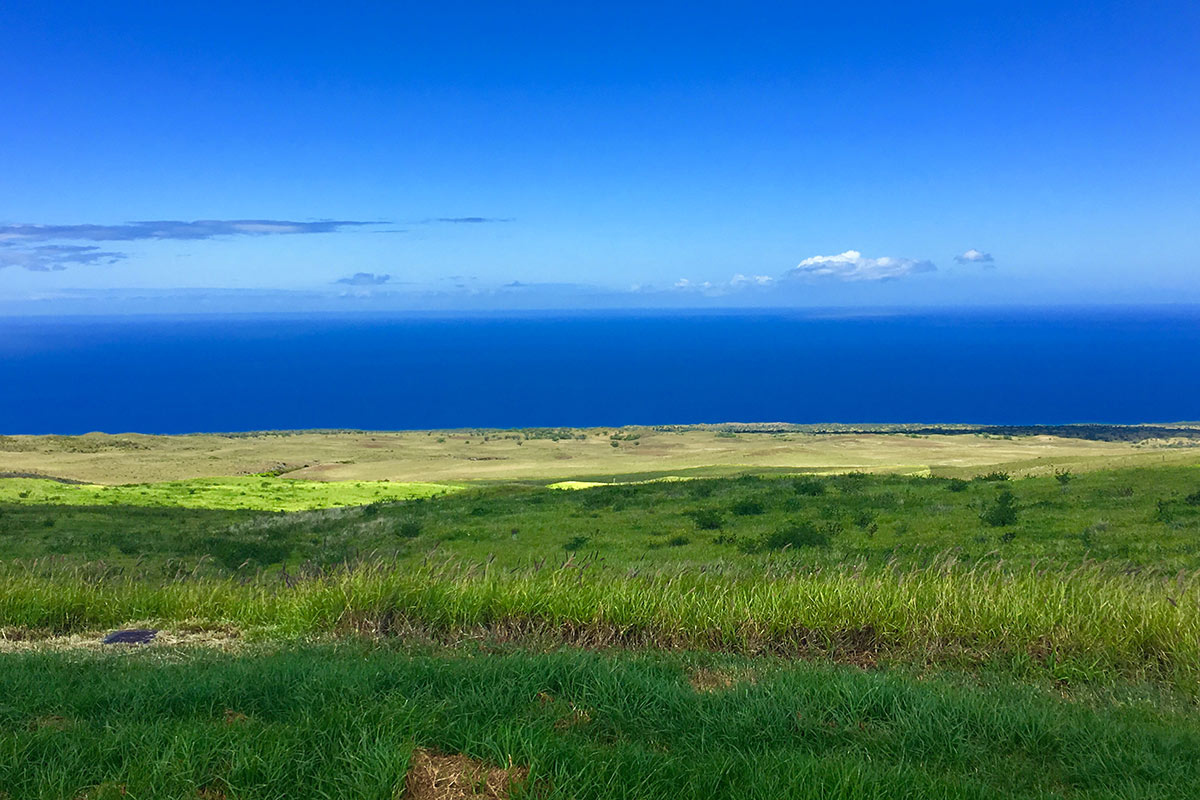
(203,373)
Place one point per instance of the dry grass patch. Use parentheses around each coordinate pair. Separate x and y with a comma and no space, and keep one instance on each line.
(721,680)
(20,640)
(433,776)
(52,722)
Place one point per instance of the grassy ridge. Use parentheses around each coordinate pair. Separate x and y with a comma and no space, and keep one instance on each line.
(1082,626)
(252,492)
(344,721)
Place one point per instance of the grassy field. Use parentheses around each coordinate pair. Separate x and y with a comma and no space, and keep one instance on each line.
(560,454)
(949,627)
(1129,519)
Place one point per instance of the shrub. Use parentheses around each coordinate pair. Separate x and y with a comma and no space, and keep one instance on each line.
(795,536)
(677,541)
(747,507)
(957,485)
(1001,511)
(706,519)
(575,542)
(809,487)
(993,476)
(1193,499)
(408,529)
(864,519)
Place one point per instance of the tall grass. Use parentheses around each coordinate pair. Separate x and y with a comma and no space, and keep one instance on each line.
(1084,624)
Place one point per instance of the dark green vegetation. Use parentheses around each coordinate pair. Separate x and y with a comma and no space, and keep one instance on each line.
(1134,519)
(1101,433)
(342,722)
(754,636)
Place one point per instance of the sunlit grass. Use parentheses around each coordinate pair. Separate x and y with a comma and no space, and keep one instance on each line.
(257,493)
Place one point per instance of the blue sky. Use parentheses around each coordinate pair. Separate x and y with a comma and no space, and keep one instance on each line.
(241,156)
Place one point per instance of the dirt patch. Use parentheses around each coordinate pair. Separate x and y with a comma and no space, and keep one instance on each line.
(433,776)
(232,717)
(52,722)
(720,680)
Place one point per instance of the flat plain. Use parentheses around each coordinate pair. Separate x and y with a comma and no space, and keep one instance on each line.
(561,454)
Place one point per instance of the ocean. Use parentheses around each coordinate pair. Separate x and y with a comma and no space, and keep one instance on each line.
(236,373)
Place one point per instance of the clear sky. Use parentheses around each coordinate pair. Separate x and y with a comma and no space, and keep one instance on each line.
(443,155)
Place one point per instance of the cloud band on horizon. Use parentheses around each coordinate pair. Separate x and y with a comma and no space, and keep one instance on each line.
(172,229)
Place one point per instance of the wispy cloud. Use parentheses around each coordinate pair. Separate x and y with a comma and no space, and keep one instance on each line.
(974,256)
(471,220)
(20,242)
(853,266)
(365,279)
(171,229)
(50,257)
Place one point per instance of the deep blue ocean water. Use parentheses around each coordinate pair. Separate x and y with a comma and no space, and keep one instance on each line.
(207,373)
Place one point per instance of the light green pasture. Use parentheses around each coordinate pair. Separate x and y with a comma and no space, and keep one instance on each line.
(258,493)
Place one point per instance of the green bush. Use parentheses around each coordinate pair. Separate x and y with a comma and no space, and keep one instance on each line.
(809,487)
(1001,511)
(794,536)
(747,507)
(706,519)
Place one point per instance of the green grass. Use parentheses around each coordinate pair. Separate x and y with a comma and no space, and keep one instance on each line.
(252,492)
(342,722)
(1034,637)
(1131,519)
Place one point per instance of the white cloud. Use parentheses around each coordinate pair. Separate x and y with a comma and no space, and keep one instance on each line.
(852,266)
(974,256)
(738,281)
